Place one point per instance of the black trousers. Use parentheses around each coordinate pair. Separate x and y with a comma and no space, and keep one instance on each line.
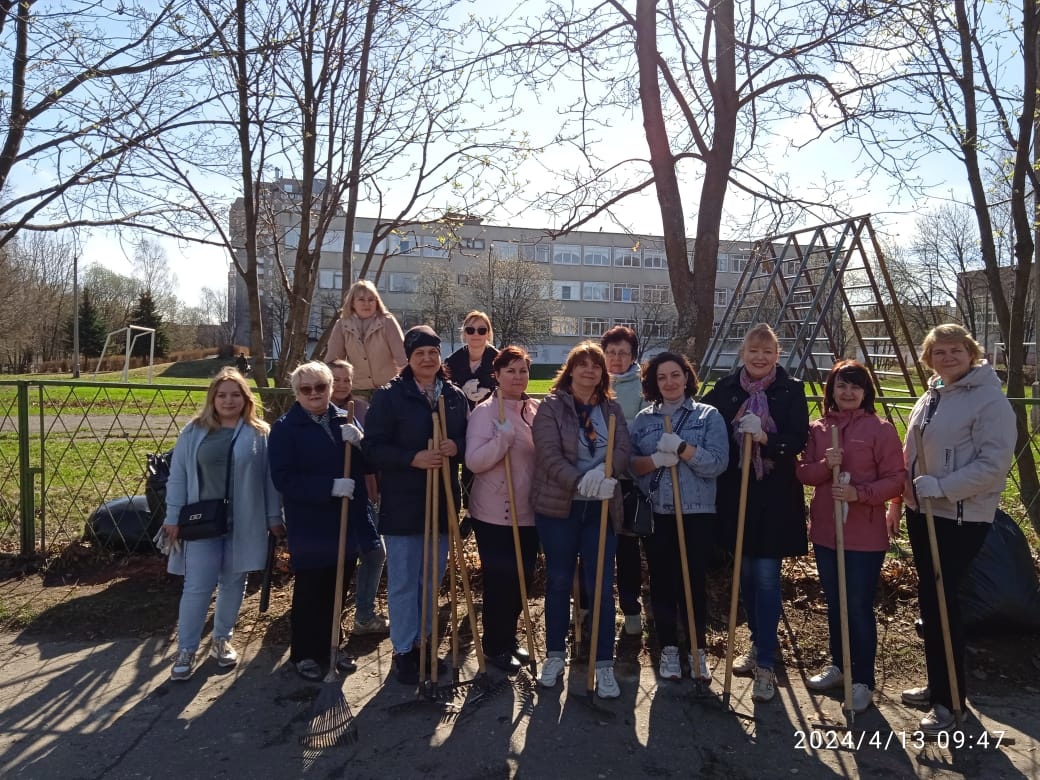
(629,561)
(667,597)
(314,591)
(958,545)
(502,602)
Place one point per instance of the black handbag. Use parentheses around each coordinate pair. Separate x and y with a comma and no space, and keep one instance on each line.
(207,519)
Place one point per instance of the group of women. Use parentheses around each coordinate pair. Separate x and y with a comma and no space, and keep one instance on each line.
(608,428)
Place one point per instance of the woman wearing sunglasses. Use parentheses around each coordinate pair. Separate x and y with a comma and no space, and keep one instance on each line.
(470,365)
(307,456)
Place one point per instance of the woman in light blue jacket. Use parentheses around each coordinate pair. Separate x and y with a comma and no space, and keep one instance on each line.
(227,425)
(699,449)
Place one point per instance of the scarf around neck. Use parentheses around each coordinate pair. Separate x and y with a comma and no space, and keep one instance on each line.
(756,404)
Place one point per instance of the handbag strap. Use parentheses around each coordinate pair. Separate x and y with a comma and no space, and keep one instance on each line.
(659,474)
(230,458)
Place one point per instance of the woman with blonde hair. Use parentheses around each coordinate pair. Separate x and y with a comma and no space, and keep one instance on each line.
(368,337)
(221,452)
(761,399)
(967,428)
(469,367)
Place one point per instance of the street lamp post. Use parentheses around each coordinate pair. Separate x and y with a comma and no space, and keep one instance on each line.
(491,280)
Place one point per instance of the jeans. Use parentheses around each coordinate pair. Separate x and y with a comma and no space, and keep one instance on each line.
(958,545)
(862,571)
(366,585)
(563,539)
(207,565)
(404,570)
(760,592)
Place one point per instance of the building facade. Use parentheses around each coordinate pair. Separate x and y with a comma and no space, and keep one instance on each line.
(590,280)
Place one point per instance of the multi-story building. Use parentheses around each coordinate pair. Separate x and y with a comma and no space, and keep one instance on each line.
(592,280)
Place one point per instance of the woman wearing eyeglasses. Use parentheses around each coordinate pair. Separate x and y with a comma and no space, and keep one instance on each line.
(307,455)
(470,365)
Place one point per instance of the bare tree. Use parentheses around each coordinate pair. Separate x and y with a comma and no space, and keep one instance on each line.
(517,295)
(214,307)
(439,299)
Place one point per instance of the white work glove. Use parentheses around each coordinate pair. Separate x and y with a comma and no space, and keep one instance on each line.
(343,487)
(589,484)
(663,460)
(750,423)
(669,442)
(606,489)
(927,487)
(505,426)
(351,434)
(474,391)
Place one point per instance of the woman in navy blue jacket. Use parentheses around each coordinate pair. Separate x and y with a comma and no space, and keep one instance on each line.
(306,449)
(398,428)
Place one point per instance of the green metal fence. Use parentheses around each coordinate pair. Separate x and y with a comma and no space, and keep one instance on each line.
(67,448)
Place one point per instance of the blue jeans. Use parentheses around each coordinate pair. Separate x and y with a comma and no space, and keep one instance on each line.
(366,583)
(760,592)
(862,571)
(563,539)
(404,569)
(207,565)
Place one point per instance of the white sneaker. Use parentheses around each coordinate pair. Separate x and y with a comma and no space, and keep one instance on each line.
(862,698)
(377,625)
(634,625)
(746,663)
(939,719)
(552,668)
(765,685)
(225,654)
(831,677)
(669,668)
(699,669)
(183,666)
(606,685)
(917,696)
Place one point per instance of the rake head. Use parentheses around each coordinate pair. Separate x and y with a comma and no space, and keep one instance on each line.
(332,723)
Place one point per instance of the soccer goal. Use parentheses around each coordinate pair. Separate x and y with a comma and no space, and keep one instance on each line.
(131,334)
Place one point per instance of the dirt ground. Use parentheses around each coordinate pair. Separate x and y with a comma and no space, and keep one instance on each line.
(83,598)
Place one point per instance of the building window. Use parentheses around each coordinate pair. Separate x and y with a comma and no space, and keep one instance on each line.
(659,329)
(362,241)
(626,293)
(566,254)
(657,293)
(535,253)
(790,268)
(596,255)
(655,259)
(721,296)
(330,280)
(409,319)
(627,324)
(566,291)
(626,258)
(473,243)
(408,245)
(504,250)
(595,291)
(403,282)
(722,264)
(564,326)
(593,327)
(433,248)
(738,263)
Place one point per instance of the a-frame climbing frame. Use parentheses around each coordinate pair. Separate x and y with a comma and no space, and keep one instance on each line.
(826,292)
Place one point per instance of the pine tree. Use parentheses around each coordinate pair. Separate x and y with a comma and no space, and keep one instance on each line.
(91,328)
(146,315)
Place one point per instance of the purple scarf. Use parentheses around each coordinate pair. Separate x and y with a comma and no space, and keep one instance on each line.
(757,404)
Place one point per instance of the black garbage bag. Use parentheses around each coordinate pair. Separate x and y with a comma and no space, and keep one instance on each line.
(123,524)
(130,523)
(1001,592)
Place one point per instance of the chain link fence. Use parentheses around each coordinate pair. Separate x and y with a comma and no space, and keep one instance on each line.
(69,448)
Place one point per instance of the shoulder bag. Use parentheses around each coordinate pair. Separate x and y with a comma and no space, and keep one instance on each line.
(207,519)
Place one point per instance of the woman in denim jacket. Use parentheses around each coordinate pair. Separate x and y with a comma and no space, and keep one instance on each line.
(699,448)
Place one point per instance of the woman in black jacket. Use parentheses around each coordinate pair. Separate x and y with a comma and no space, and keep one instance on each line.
(398,427)
(760,398)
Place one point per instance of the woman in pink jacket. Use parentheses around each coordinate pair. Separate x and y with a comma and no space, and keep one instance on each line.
(487,443)
(871,455)
(368,337)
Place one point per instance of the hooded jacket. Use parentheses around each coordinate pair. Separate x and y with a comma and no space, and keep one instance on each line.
(376,356)
(969,445)
(873,457)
